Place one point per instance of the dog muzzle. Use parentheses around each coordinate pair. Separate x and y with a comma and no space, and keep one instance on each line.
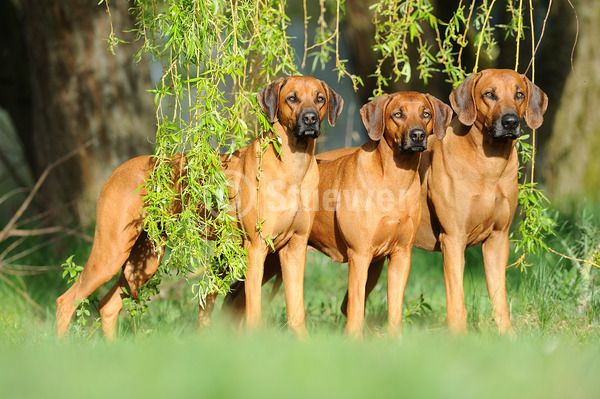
(308,125)
(507,126)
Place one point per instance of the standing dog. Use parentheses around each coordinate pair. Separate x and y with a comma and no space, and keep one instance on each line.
(369,201)
(469,185)
(296,106)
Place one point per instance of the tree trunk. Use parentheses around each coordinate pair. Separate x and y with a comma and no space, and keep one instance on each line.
(82,92)
(572,167)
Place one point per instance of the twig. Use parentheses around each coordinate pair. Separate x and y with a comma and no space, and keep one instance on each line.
(12,193)
(576,39)
(532,63)
(9,226)
(12,246)
(305,34)
(517,262)
(589,262)
(11,170)
(541,36)
(487,21)
(26,270)
(24,294)
(30,250)
(34,232)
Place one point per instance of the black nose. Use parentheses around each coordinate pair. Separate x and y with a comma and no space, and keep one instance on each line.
(310,118)
(510,121)
(417,135)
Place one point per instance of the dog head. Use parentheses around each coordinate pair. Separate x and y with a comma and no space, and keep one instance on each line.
(497,100)
(406,119)
(300,103)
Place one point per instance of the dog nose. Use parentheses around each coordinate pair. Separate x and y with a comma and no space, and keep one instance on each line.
(510,121)
(310,118)
(417,135)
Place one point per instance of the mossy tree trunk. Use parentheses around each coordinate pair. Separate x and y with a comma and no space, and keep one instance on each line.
(82,92)
(572,167)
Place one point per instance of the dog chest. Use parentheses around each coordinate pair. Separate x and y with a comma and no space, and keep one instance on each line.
(488,212)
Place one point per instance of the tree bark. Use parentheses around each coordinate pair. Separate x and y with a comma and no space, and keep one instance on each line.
(82,92)
(571,166)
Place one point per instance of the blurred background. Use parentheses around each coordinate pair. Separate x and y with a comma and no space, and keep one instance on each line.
(63,92)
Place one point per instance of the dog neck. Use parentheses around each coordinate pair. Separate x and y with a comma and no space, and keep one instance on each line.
(501,148)
(396,165)
(296,155)
(492,157)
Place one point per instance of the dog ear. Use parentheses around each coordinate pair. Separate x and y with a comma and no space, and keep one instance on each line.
(463,100)
(268,99)
(334,105)
(442,114)
(537,102)
(373,116)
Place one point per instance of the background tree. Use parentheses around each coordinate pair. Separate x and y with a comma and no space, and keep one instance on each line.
(79,92)
(215,55)
(572,169)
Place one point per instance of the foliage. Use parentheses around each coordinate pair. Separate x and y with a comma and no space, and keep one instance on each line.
(71,270)
(216,54)
(557,300)
(323,49)
(535,224)
(401,28)
(268,366)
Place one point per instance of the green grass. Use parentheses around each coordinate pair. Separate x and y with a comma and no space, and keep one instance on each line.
(554,308)
(270,365)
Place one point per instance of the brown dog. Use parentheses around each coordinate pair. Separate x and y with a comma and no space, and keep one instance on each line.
(296,106)
(469,185)
(369,201)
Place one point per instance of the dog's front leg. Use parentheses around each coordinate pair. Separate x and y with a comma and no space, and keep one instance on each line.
(398,270)
(495,258)
(293,260)
(374,272)
(358,266)
(254,276)
(453,250)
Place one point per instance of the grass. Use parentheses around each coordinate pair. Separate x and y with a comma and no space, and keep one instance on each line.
(274,366)
(554,308)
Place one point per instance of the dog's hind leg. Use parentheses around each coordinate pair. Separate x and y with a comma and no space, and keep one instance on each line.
(119,219)
(141,265)
(104,262)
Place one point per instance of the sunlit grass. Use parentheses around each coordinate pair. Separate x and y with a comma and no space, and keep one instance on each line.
(553,308)
(269,364)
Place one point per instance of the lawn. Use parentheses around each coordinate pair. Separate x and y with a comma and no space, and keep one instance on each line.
(554,308)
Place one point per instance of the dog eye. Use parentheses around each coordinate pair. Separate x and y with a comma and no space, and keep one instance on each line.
(519,95)
(397,114)
(426,114)
(292,98)
(320,99)
(489,95)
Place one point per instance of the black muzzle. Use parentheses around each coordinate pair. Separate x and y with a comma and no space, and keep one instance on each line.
(307,125)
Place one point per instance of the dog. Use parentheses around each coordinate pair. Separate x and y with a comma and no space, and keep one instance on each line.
(369,200)
(296,106)
(469,190)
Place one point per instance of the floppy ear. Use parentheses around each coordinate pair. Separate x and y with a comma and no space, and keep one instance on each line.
(537,102)
(268,98)
(463,101)
(373,116)
(334,105)
(442,116)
